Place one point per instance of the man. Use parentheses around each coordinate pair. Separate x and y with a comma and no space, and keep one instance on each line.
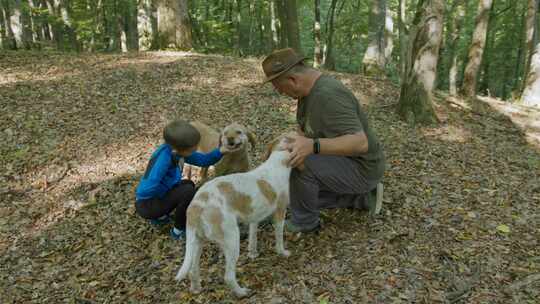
(337,159)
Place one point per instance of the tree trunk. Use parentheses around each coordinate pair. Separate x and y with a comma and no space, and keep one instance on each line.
(183,32)
(174,26)
(530,32)
(484,76)
(265,42)
(403,37)
(293,34)
(283,24)
(131,27)
(476,49)
(69,26)
(238,28)
(35,24)
(415,101)
(147,25)
(274,24)
(252,27)
(455,32)
(3,35)
(328,57)
(47,26)
(20,25)
(317,57)
(120,19)
(56,26)
(388,35)
(374,61)
(96,8)
(10,42)
(531,94)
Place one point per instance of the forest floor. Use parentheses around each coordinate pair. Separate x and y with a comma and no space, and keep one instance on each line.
(460,224)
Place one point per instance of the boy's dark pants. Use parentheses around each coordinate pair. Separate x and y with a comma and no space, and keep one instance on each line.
(177,198)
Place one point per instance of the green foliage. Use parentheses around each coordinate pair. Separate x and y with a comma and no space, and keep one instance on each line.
(97,26)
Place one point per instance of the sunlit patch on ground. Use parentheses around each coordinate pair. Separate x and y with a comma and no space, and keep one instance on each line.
(527,118)
(448,133)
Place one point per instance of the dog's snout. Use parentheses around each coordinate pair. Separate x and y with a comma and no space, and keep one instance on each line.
(230,140)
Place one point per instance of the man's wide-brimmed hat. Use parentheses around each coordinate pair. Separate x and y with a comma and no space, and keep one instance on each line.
(279,62)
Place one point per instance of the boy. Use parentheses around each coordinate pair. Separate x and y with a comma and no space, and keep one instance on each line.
(161,189)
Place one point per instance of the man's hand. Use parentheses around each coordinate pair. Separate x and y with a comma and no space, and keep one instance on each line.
(300,148)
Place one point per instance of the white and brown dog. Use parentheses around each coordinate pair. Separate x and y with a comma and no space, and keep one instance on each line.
(235,137)
(248,197)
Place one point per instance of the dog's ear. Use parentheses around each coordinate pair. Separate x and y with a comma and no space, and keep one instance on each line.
(270,148)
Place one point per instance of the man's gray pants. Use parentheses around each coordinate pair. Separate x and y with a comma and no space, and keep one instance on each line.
(326,182)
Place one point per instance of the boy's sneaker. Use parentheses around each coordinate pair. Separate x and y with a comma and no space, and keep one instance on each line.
(178,234)
(375,199)
(160,221)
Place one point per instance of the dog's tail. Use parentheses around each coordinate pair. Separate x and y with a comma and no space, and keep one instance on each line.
(192,242)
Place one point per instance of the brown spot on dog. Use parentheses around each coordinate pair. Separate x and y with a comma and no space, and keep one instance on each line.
(194,216)
(267,190)
(203,197)
(216,222)
(236,200)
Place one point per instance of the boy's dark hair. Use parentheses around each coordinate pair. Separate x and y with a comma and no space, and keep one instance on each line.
(181,135)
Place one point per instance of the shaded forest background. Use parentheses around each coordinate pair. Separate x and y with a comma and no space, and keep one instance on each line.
(335,33)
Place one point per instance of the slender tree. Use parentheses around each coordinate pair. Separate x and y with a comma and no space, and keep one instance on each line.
(8,39)
(283,23)
(476,49)
(35,23)
(458,13)
(293,33)
(374,60)
(317,54)
(530,32)
(403,37)
(19,21)
(388,34)
(274,23)
(328,56)
(238,27)
(415,101)
(531,94)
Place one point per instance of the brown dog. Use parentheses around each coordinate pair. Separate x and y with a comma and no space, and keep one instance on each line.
(234,137)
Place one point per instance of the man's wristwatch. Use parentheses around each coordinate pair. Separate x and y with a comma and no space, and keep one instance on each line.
(316,146)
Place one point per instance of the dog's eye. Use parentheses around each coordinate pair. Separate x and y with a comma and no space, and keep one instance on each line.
(238,132)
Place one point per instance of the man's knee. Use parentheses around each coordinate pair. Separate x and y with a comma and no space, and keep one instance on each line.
(310,163)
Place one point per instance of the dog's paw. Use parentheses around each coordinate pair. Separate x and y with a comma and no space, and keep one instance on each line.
(285,253)
(243,292)
(195,289)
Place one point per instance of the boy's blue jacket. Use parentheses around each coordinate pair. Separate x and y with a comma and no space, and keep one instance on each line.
(163,172)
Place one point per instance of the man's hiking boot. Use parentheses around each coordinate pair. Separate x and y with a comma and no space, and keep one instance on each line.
(290,227)
(375,200)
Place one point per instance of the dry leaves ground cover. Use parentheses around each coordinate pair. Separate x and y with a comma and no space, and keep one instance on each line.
(460,224)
